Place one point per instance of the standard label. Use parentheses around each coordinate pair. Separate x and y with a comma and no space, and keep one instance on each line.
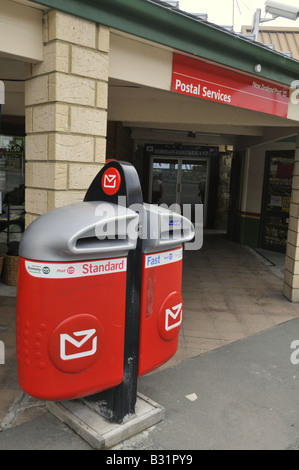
(72,270)
(166,257)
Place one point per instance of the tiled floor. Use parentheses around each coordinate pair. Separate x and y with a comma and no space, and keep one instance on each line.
(229,293)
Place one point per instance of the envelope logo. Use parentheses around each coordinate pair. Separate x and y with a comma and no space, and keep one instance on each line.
(173,317)
(80,348)
(110,181)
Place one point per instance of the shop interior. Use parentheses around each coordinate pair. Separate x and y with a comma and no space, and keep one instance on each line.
(12,155)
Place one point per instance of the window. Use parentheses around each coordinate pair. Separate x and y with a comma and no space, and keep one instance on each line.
(12,188)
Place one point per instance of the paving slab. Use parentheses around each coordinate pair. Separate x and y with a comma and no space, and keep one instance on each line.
(84,418)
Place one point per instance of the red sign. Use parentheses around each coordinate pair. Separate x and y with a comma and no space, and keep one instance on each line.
(111,181)
(196,78)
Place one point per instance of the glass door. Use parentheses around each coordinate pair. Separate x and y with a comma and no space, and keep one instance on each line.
(193,184)
(12,189)
(179,181)
(164,181)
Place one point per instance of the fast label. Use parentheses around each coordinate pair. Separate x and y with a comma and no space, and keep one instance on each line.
(165,257)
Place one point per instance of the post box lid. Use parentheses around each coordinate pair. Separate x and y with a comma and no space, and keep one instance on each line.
(85,230)
(163,229)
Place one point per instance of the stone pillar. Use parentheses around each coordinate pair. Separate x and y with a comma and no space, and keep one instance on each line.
(66,113)
(291,276)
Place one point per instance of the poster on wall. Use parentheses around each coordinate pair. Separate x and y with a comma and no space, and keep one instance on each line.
(277,199)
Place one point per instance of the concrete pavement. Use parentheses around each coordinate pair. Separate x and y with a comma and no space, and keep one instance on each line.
(246,396)
(241,396)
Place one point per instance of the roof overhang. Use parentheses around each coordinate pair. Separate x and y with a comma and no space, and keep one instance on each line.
(173,28)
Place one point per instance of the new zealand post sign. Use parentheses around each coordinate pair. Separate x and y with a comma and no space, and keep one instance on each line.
(208,81)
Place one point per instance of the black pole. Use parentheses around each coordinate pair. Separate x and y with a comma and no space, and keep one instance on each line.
(117,403)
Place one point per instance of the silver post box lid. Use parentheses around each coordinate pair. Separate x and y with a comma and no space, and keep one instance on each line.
(163,229)
(81,231)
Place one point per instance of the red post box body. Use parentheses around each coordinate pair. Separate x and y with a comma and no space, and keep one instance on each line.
(70,327)
(71,301)
(161,310)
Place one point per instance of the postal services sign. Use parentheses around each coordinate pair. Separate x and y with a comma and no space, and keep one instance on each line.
(199,79)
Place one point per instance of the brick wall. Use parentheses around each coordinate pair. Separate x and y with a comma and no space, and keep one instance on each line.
(66,113)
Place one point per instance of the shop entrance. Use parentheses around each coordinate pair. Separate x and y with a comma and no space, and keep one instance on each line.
(179,180)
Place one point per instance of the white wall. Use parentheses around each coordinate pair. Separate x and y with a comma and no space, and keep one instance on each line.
(20,31)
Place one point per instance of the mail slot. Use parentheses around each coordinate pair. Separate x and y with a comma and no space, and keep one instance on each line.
(161,312)
(71,300)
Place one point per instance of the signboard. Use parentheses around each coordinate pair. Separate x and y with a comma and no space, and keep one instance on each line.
(182,150)
(199,79)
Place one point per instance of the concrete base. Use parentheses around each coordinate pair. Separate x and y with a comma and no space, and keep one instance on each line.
(85,420)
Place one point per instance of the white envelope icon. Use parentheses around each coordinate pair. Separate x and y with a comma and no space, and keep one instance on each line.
(78,344)
(109,181)
(173,317)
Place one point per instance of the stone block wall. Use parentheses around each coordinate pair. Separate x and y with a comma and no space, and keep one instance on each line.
(66,113)
(291,273)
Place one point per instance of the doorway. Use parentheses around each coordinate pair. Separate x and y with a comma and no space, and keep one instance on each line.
(180,180)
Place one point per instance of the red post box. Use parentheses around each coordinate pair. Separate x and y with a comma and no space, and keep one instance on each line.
(161,312)
(71,300)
